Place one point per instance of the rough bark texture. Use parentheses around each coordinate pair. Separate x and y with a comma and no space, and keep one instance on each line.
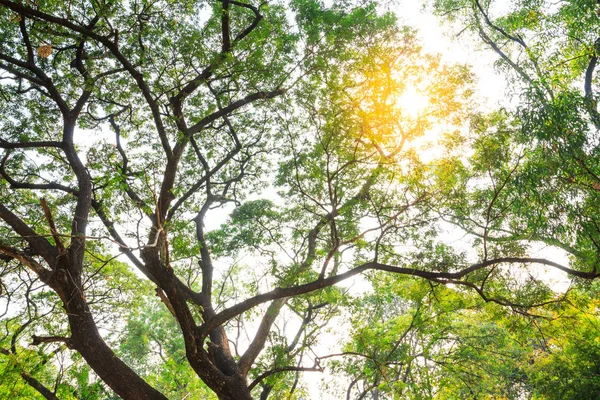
(86,339)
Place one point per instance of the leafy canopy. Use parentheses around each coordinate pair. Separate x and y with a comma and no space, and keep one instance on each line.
(195,194)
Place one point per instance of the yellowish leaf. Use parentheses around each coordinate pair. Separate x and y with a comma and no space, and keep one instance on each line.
(44,51)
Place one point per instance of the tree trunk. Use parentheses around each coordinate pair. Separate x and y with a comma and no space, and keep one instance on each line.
(86,339)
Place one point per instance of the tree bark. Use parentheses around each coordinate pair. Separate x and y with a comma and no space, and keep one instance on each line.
(86,339)
(37,385)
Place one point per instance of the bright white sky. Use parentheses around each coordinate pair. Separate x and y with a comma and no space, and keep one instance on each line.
(435,37)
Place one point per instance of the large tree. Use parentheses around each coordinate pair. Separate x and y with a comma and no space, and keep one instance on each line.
(243,159)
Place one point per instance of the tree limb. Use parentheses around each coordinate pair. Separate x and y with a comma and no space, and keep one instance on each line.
(39,245)
(232,107)
(4,144)
(37,340)
(53,230)
(279,293)
(256,346)
(516,39)
(591,103)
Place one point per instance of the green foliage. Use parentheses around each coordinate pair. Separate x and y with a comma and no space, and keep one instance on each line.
(241,162)
(150,343)
(251,225)
(420,341)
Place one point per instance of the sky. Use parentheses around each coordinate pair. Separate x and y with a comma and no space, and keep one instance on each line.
(490,92)
(435,38)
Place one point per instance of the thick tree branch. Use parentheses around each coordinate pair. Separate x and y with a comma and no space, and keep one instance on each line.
(206,260)
(260,338)
(257,18)
(31,381)
(23,28)
(37,385)
(25,76)
(24,258)
(39,244)
(4,144)
(280,293)
(225,33)
(232,107)
(37,340)
(589,75)
(84,197)
(591,102)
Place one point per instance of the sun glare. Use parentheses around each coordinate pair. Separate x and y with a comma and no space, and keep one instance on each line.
(412,102)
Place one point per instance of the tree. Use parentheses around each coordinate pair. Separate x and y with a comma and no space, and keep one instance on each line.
(413,340)
(542,157)
(130,127)
(422,341)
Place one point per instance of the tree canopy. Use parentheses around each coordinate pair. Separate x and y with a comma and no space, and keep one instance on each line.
(198,197)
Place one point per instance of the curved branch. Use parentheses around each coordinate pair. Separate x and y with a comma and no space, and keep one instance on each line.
(33,186)
(487,40)
(257,18)
(39,245)
(441,277)
(232,107)
(29,78)
(516,39)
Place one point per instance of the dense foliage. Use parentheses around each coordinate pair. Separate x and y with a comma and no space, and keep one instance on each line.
(214,199)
